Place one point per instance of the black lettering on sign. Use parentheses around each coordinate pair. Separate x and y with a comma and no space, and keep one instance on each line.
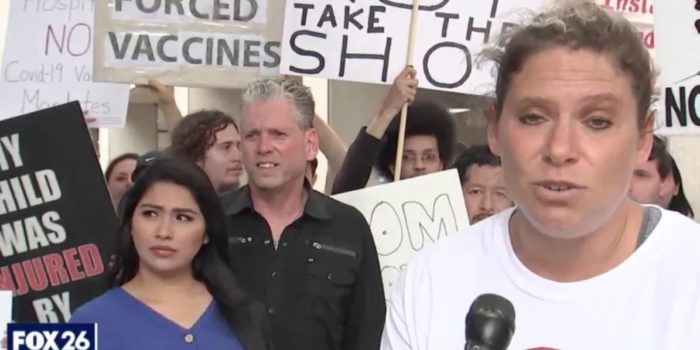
(409,5)
(251,51)
(143,8)
(385,223)
(494,8)
(302,52)
(161,48)
(217,14)
(373,20)
(76,41)
(177,3)
(446,20)
(225,50)
(208,57)
(327,16)
(345,55)
(272,49)
(143,46)
(682,105)
(244,18)
(350,17)
(304,11)
(465,75)
(186,50)
(119,52)
(697,22)
(195,12)
(471,29)
(434,224)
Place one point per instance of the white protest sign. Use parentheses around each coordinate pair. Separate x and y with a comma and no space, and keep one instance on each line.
(640,13)
(206,43)
(677,27)
(47,61)
(637,11)
(367,40)
(5,309)
(408,216)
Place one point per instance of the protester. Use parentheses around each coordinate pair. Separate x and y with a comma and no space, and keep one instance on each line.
(172,285)
(584,266)
(658,181)
(428,146)
(680,202)
(481,176)
(164,96)
(309,258)
(118,176)
(210,139)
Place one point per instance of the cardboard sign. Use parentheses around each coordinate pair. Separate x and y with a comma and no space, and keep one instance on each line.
(57,223)
(206,43)
(408,216)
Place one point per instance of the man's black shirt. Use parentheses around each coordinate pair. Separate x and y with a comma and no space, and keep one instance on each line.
(322,286)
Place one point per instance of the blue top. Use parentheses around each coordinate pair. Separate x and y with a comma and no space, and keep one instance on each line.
(124,322)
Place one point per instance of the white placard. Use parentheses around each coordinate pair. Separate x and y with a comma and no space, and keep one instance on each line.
(409,215)
(199,43)
(637,11)
(367,40)
(5,309)
(677,27)
(640,13)
(47,61)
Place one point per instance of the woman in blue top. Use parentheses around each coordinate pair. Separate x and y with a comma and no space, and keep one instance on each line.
(172,285)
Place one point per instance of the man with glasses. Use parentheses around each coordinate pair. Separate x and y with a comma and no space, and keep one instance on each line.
(429,144)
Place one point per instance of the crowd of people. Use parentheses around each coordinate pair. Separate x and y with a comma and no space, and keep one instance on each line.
(577,214)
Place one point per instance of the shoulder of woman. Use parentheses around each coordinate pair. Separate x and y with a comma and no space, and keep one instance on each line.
(98,308)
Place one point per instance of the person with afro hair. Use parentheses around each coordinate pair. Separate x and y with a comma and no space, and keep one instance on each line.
(429,143)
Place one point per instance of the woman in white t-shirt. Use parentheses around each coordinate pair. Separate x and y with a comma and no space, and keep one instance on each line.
(584,266)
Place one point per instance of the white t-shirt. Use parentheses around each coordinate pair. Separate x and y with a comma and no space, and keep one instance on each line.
(650,301)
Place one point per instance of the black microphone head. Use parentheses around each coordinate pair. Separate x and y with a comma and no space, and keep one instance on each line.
(490,322)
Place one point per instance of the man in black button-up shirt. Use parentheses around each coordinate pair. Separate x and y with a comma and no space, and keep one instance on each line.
(309,258)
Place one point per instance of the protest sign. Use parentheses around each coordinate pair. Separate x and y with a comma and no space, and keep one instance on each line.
(677,27)
(367,40)
(57,223)
(640,13)
(205,43)
(408,216)
(5,309)
(48,61)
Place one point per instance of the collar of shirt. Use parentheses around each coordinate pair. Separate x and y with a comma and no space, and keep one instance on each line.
(240,200)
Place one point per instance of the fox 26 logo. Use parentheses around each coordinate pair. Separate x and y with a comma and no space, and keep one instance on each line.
(51,336)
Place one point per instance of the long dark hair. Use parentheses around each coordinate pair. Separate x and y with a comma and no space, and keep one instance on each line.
(679,202)
(117,160)
(211,264)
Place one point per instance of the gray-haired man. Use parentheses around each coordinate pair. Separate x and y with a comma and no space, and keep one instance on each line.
(309,258)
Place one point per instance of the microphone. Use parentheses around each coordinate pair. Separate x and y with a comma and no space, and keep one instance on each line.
(490,323)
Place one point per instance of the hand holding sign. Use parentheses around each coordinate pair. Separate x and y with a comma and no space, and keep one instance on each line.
(164,94)
(402,91)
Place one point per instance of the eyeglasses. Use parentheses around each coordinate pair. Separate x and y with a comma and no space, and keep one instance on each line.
(425,158)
